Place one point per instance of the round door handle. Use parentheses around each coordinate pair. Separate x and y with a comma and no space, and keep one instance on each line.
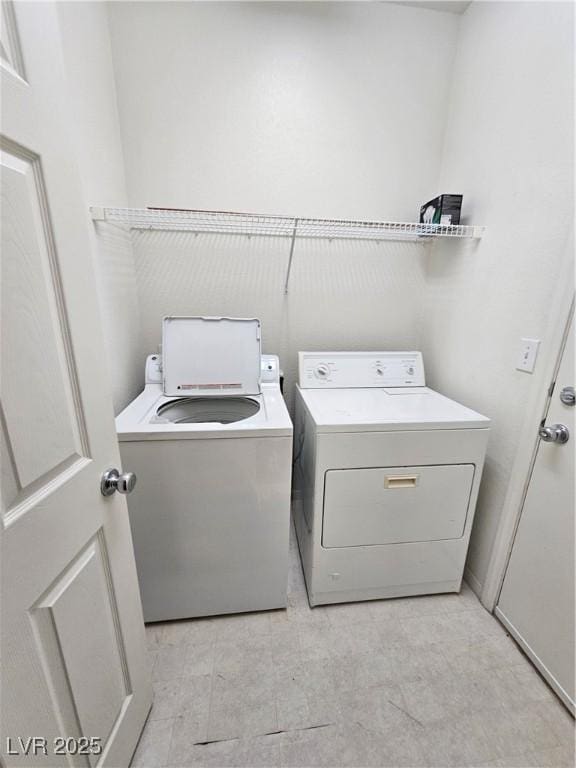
(556,433)
(113,481)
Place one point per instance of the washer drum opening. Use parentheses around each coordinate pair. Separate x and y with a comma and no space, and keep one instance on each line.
(206,410)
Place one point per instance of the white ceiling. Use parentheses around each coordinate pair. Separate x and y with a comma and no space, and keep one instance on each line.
(452,6)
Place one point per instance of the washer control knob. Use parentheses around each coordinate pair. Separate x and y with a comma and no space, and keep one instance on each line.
(322,371)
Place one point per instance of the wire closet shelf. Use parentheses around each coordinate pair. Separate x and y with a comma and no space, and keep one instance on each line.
(228,222)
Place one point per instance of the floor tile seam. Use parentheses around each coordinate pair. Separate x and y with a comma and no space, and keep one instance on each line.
(442,612)
(472,715)
(276,720)
(474,709)
(439,641)
(210,701)
(252,703)
(496,667)
(168,751)
(244,736)
(152,719)
(487,755)
(457,674)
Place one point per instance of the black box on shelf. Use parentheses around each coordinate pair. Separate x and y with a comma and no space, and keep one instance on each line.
(444,209)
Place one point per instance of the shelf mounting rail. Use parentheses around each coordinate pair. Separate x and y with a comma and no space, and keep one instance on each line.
(267,225)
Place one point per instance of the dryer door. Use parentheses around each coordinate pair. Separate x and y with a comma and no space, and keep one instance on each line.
(394,505)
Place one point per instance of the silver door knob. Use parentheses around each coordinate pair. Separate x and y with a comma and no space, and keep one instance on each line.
(556,433)
(112,481)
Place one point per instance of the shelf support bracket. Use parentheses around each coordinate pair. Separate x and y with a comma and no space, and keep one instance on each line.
(97,213)
(290,257)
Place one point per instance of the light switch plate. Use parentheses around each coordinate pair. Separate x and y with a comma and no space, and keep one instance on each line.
(527,355)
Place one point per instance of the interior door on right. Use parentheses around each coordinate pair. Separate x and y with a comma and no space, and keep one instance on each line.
(537,598)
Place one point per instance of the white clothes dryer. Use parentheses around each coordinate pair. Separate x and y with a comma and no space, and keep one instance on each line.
(210,441)
(386,476)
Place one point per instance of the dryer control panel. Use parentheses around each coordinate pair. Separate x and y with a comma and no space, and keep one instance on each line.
(333,370)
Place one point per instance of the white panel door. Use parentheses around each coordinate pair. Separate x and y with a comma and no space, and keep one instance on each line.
(537,598)
(72,637)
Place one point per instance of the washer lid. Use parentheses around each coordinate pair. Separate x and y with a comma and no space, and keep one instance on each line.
(211,356)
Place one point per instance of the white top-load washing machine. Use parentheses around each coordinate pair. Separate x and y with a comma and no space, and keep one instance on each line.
(210,441)
(386,475)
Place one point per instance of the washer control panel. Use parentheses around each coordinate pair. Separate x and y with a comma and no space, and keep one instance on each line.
(153,373)
(270,369)
(332,370)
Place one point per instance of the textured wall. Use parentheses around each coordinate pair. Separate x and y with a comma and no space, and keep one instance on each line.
(509,149)
(96,133)
(342,295)
(331,109)
(312,109)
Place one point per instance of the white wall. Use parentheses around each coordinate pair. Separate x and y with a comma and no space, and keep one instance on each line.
(317,109)
(341,295)
(509,150)
(326,109)
(96,133)
(340,109)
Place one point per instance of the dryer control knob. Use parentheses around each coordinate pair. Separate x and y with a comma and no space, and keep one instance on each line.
(321,371)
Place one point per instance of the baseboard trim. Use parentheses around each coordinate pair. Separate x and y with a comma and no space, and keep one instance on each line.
(473,583)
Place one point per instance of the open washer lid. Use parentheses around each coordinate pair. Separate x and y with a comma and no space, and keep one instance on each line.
(211,356)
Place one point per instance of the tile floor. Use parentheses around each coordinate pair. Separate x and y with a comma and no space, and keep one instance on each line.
(427,681)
